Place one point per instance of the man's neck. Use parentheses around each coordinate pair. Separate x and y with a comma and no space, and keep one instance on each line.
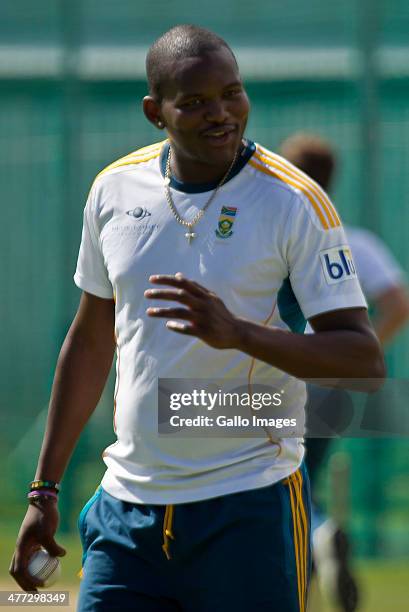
(187,170)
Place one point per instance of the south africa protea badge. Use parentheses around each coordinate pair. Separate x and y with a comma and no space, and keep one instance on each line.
(226,221)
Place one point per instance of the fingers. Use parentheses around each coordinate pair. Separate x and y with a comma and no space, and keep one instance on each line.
(20,561)
(19,564)
(174,295)
(19,570)
(173,313)
(37,530)
(187,292)
(181,328)
(54,549)
(178,280)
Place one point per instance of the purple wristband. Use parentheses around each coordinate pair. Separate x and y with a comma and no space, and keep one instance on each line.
(38,493)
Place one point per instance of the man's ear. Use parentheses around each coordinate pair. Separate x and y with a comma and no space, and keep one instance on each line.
(152,112)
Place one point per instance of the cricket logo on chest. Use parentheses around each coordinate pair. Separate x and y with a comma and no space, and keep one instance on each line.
(226,221)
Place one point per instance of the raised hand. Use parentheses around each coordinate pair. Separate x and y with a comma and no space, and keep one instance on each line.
(205,313)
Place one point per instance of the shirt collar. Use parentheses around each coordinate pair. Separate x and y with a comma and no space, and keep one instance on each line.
(243,158)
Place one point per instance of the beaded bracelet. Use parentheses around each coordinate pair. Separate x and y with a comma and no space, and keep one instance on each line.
(44,484)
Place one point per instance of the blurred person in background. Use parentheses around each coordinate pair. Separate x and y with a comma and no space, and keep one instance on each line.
(383,283)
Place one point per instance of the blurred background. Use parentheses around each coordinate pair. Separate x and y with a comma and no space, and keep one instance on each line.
(72,79)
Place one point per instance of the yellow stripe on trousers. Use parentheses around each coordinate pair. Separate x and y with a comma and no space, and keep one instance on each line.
(304,523)
(300,527)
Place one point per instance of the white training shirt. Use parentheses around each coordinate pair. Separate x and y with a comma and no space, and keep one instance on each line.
(284,259)
(378,271)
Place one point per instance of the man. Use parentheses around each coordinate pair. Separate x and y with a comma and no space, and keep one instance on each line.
(222,229)
(386,291)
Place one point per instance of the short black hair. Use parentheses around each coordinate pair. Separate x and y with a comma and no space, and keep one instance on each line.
(181,41)
(311,154)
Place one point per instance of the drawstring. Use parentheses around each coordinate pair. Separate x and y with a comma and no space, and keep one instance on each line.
(167,530)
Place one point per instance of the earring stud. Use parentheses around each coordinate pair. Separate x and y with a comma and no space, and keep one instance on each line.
(160,124)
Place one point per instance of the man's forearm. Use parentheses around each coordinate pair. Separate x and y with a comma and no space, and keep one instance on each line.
(343,347)
(331,354)
(81,373)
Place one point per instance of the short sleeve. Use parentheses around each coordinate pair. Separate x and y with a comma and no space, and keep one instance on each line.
(321,270)
(91,273)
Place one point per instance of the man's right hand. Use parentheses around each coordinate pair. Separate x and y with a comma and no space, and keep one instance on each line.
(37,530)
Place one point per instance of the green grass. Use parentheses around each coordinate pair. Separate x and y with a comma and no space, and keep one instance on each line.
(384,587)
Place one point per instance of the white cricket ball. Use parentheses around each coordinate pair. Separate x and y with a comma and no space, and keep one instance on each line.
(44,567)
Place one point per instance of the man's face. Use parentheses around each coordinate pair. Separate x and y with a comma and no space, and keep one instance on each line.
(205,107)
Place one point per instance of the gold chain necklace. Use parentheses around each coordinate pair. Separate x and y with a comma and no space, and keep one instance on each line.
(190,224)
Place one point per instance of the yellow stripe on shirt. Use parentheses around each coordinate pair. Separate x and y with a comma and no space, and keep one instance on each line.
(137,157)
(325,212)
(270,172)
(282,165)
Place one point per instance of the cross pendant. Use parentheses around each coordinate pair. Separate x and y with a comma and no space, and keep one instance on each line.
(190,235)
